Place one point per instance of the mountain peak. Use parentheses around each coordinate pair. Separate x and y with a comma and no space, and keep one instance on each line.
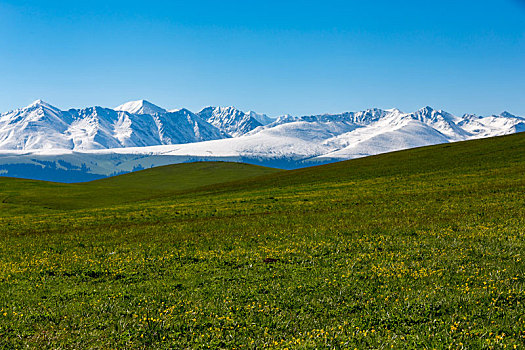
(228,109)
(39,103)
(140,107)
(394,110)
(229,120)
(507,115)
(426,109)
(261,118)
(42,105)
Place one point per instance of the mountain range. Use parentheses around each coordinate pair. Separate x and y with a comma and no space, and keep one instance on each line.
(43,142)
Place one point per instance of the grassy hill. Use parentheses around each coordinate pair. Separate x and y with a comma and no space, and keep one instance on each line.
(414,249)
(142,185)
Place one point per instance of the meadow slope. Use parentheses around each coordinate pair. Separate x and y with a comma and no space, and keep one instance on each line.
(413,249)
(164,181)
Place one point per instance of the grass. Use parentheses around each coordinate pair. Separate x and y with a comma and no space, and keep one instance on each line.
(414,249)
(164,181)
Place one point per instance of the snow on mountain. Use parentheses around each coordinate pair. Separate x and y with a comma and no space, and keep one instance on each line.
(102,141)
(358,118)
(42,126)
(495,125)
(92,128)
(283,119)
(374,140)
(386,131)
(184,126)
(37,126)
(140,107)
(442,122)
(230,120)
(263,119)
(317,139)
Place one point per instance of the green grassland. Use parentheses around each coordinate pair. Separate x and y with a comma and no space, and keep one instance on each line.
(17,194)
(419,249)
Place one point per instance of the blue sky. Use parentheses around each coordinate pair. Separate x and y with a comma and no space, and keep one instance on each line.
(274,57)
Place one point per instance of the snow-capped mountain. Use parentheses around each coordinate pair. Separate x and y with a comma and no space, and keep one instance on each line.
(37,126)
(263,119)
(98,141)
(494,125)
(231,121)
(140,107)
(42,126)
(395,130)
